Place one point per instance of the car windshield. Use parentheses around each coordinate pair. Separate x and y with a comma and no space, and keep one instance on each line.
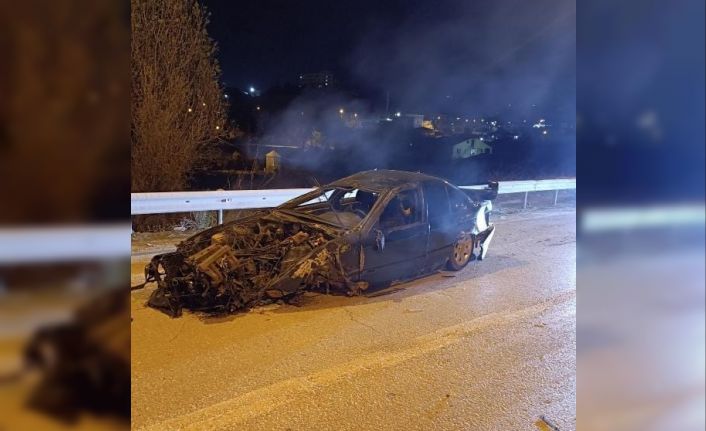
(344,206)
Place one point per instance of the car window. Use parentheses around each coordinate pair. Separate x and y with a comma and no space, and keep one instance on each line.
(321,197)
(437,202)
(344,206)
(405,208)
(458,201)
(356,201)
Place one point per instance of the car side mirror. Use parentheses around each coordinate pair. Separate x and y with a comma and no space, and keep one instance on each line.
(379,240)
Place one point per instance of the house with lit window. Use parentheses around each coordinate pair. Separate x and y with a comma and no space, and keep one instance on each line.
(471,147)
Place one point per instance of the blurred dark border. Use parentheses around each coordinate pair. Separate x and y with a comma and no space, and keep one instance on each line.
(640,215)
(65,193)
(64,113)
(640,101)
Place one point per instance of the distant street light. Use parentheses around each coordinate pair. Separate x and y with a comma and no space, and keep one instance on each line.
(252,90)
(190,110)
(341,111)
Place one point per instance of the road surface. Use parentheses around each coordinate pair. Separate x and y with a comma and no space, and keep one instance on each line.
(492,348)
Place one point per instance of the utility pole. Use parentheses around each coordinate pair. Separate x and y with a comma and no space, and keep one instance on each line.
(387,104)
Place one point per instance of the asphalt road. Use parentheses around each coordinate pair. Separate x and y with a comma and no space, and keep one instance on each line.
(492,348)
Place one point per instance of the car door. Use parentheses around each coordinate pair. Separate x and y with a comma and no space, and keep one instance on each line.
(462,210)
(450,212)
(442,229)
(404,236)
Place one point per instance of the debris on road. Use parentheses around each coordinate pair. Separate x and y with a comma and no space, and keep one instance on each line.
(388,291)
(543,424)
(265,308)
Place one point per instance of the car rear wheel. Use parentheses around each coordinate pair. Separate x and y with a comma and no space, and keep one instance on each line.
(461,254)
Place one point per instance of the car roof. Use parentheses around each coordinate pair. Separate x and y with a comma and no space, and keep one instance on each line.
(383,179)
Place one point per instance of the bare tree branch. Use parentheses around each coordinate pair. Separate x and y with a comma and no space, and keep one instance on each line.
(178,109)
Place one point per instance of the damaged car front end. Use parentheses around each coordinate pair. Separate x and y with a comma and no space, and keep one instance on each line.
(251,262)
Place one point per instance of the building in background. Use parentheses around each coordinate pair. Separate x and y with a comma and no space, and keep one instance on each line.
(471,147)
(272,160)
(414,121)
(321,80)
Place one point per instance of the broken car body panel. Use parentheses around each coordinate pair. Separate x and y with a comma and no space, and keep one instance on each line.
(367,229)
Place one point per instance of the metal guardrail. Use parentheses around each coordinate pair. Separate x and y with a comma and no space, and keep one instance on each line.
(642,217)
(29,245)
(34,244)
(171,202)
(527,186)
(54,244)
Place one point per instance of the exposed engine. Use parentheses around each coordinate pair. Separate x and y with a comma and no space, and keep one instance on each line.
(247,264)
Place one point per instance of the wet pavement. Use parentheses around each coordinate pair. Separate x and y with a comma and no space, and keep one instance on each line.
(491,348)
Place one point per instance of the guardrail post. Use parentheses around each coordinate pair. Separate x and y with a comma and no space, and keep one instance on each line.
(556,196)
(220,216)
(525,204)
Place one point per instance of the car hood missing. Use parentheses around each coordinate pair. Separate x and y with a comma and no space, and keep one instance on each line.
(269,256)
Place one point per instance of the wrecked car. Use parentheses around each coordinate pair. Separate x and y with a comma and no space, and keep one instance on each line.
(368,229)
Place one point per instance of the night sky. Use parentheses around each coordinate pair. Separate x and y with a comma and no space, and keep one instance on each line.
(430,55)
(268,42)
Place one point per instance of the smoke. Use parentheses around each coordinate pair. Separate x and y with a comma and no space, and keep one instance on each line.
(467,57)
(326,113)
(333,135)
